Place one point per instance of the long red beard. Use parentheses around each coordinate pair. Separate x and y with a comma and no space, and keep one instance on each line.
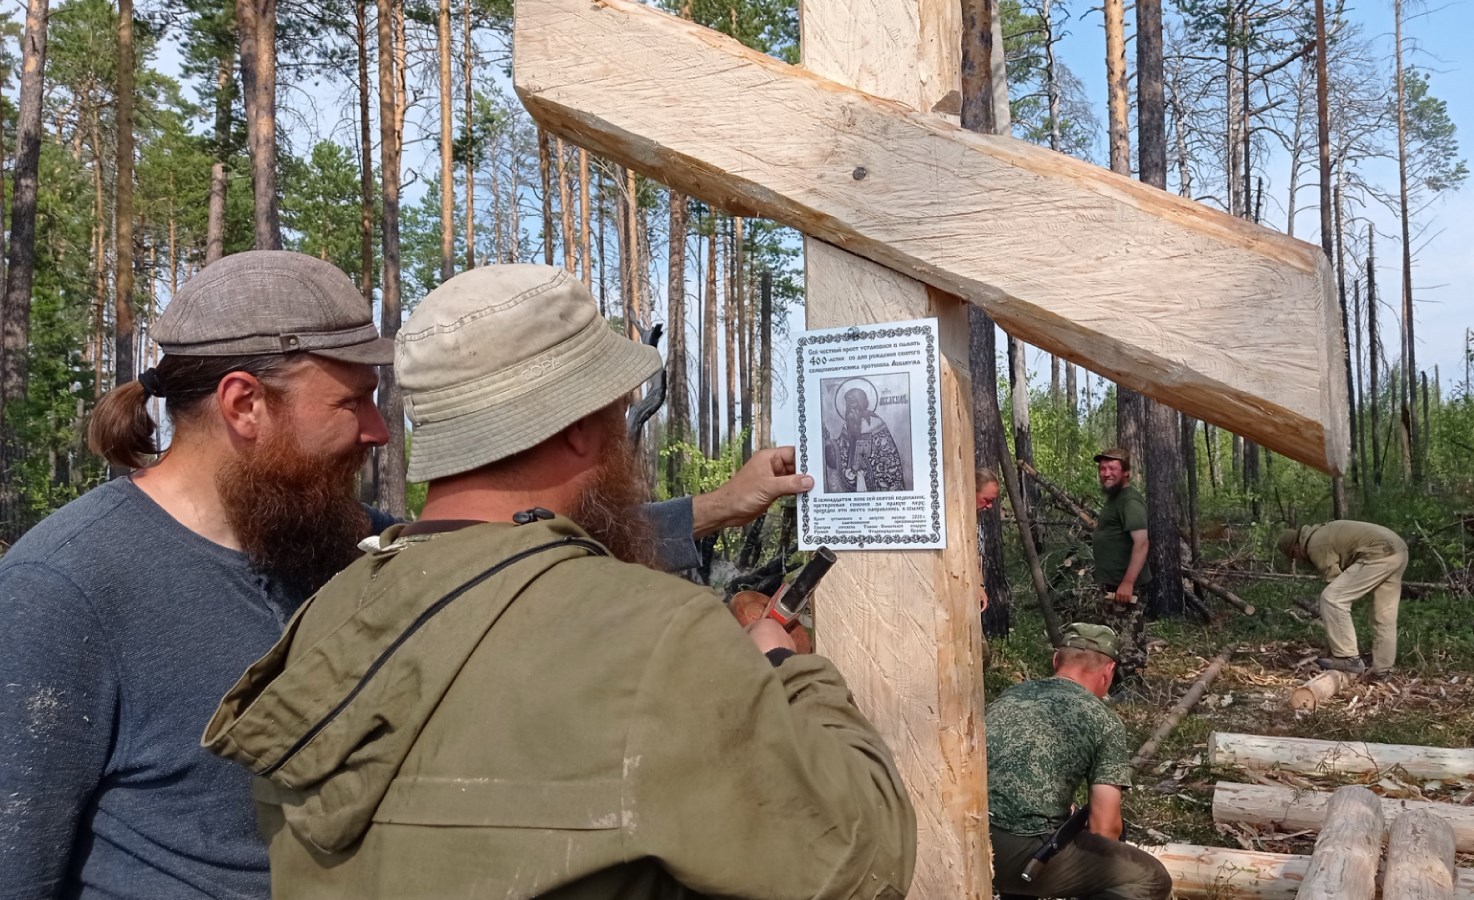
(612,509)
(295,515)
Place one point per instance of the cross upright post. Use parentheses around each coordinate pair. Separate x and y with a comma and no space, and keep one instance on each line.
(903,625)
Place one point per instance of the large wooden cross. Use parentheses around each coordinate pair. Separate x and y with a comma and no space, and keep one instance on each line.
(910,216)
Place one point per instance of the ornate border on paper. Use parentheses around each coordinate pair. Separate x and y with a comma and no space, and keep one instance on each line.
(933,433)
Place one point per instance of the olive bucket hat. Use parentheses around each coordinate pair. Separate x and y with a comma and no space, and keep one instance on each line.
(500,358)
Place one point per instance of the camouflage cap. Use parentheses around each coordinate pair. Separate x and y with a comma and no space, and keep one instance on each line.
(1117,453)
(1085,636)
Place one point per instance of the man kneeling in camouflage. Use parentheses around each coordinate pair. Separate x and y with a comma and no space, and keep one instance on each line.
(1046,738)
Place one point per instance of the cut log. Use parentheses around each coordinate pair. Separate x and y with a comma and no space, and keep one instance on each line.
(1344,864)
(1162,294)
(1288,809)
(1319,689)
(1218,872)
(1252,751)
(1420,859)
(1215,872)
(1175,716)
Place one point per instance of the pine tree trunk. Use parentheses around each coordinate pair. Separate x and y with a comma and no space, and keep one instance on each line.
(744,367)
(365,157)
(1163,437)
(469,68)
(368,474)
(1129,408)
(447,137)
(710,423)
(544,173)
(1353,397)
(15,314)
(985,109)
(1374,355)
(765,361)
(546,180)
(224,103)
(256,21)
(124,334)
(679,390)
(729,331)
(565,203)
(1327,231)
(583,218)
(1414,465)
(391,402)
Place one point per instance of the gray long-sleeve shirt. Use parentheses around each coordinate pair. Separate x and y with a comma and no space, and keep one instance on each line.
(120,630)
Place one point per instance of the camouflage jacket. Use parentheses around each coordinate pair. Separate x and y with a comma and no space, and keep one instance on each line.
(1045,739)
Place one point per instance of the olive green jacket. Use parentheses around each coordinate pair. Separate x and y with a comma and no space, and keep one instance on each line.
(1333,547)
(570,726)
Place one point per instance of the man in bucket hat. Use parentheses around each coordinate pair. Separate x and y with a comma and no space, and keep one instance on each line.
(131,609)
(502,701)
(1045,739)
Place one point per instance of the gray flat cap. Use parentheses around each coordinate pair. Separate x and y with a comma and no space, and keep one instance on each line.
(272,301)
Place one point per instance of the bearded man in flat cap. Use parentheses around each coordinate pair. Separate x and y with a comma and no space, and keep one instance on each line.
(503,700)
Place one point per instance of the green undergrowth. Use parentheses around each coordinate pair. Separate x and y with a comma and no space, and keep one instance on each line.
(1428,701)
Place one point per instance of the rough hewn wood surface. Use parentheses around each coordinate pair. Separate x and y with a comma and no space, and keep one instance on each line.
(1220,318)
(912,657)
(1253,751)
(1344,864)
(1291,810)
(1420,859)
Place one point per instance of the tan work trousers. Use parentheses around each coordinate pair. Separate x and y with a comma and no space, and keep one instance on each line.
(1382,578)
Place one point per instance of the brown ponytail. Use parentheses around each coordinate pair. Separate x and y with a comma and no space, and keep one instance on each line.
(121,430)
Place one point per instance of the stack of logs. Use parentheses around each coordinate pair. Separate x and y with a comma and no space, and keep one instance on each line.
(1421,836)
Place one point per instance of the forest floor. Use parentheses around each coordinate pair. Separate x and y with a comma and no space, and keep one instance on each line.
(1428,700)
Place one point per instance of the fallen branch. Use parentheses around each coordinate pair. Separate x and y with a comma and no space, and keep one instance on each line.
(1175,716)
(1296,576)
(1063,499)
(1220,592)
(1026,537)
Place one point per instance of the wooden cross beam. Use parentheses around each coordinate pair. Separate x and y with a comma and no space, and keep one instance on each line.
(1225,320)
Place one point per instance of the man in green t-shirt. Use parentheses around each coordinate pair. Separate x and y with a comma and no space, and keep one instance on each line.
(1045,739)
(1120,547)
